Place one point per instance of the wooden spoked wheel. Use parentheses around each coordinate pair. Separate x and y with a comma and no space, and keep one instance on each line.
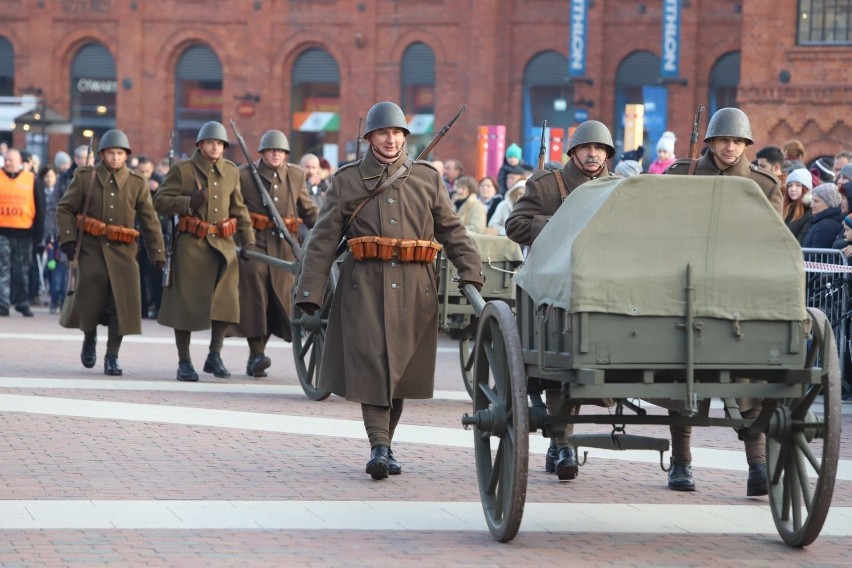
(466,355)
(309,340)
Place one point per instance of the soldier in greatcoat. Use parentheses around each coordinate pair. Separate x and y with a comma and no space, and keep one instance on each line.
(383,327)
(204,191)
(590,147)
(266,292)
(107,290)
(728,136)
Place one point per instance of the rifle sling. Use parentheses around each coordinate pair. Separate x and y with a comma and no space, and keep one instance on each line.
(406,166)
(563,190)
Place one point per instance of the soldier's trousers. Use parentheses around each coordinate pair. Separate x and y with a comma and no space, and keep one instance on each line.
(380,421)
(552,399)
(16,254)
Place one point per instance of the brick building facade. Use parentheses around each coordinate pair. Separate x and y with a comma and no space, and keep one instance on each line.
(483,53)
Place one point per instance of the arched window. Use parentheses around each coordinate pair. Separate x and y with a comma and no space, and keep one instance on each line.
(547,96)
(316,105)
(417,97)
(724,79)
(93,92)
(198,94)
(7,68)
(637,81)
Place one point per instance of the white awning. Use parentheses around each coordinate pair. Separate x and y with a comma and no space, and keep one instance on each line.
(8,112)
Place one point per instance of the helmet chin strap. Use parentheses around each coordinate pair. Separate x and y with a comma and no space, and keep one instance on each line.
(583,169)
(719,160)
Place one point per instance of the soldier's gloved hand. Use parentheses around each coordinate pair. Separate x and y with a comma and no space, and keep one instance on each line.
(198,199)
(308,307)
(68,249)
(245,250)
(159,265)
(477,285)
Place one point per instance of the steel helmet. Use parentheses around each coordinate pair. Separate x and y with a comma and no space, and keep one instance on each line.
(213,131)
(114,139)
(729,122)
(385,115)
(592,132)
(274,140)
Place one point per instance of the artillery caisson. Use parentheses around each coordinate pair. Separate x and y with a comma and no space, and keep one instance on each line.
(666,289)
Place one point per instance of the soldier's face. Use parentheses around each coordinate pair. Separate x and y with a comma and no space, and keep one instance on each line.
(727,150)
(274,158)
(386,143)
(590,157)
(212,149)
(114,158)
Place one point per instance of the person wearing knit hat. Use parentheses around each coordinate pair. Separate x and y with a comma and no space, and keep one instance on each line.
(797,203)
(823,170)
(627,168)
(665,154)
(827,217)
(513,163)
(845,174)
(513,154)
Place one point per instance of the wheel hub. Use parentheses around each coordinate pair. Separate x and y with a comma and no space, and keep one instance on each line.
(492,420)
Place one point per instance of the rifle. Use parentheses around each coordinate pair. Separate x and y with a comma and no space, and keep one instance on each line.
(693,140)
(72,273)
(170,254)
(440,134)
(358,140)
(542,152)
(283,233)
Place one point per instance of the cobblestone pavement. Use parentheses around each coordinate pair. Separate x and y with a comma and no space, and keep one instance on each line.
(145,470)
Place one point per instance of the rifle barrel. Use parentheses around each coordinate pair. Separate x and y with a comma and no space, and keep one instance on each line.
(441,134)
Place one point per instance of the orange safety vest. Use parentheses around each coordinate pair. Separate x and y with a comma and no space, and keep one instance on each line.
(17,201)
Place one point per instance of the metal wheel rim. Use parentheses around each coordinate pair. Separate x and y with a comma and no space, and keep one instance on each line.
(308,345)
(799,507)
(500,383)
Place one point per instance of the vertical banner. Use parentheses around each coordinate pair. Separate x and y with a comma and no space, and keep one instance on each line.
(634,126)
(577,40)
(557,144)
(496,148)
(481,152)
(656,110)
(670,61)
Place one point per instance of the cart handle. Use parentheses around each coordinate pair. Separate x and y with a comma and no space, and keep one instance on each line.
(475,298)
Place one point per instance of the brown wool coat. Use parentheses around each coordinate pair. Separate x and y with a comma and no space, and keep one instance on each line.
(541,200)
(383,328)
(205,270)
(104,263)
(266,292)
(769,184)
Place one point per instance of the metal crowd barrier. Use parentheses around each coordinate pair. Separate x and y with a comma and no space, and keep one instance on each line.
(829,277)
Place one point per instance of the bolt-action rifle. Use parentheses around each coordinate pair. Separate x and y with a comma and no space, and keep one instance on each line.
(542,152)
(358,140)
(693,140)
(74,264)
(446,128)
(280,227)
(170,253)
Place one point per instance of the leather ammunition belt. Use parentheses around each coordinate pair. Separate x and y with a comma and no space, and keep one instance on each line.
(200,228)
(97,228)
(386,248)
(262,222)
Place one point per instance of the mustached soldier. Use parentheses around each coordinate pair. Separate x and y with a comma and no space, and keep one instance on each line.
(384,350)
(204,191)
(108,289)
(265,292)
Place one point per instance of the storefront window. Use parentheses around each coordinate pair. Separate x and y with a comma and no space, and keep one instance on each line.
(198,96)
(547,96)
(93,93)
(316,106)
(724,78)
(418,95)
(825,22)
(7,68)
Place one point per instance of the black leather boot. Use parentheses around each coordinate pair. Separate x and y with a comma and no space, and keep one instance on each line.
(89,356)
(566,465)
(257,365)
(394,467)
(551,457)
(186,372)
(111,366)
(680,477)
(214,365)
(377,467)
(758,480)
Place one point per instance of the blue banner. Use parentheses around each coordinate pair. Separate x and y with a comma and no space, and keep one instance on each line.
(577,40)
(670,61)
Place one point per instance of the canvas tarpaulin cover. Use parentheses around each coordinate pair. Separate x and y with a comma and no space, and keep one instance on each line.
(622,247)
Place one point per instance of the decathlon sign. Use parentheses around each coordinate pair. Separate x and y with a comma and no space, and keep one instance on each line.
(577,42)
(670,62)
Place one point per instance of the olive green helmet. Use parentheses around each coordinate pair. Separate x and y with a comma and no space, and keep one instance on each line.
(731,123)
(114,139)
(385,115)
(213,131)
(592,132)
(274,140)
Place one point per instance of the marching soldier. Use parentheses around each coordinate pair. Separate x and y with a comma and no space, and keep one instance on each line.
(384,350)
(590,148)
(204,191)
(265,292)
(102,202)
(728,136)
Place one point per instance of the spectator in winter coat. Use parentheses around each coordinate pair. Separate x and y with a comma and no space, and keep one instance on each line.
(797,203)
(827,220)
(514,161)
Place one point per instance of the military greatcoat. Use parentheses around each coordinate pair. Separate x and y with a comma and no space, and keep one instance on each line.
(541,200)
(383,328)
(706,166)
(205,270)
(117,199)
(266,292)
